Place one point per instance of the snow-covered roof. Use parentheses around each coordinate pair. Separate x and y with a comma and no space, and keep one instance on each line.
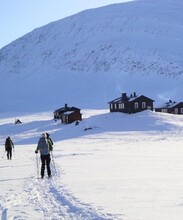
(170,104)
(127,99)
(69,112)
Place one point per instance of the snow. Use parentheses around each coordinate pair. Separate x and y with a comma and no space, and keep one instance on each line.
(125,167)
(128,47)
(112,165)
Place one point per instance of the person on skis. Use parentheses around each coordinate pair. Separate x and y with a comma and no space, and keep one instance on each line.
(8,147)
(49,138)
(44,146)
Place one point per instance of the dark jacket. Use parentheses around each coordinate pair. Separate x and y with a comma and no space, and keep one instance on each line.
(8,144)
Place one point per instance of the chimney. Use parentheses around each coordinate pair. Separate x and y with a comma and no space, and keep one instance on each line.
(134,94)
(124,96)
(65,106)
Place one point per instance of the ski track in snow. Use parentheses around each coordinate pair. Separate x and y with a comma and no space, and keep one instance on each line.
(58,201)
(51,200)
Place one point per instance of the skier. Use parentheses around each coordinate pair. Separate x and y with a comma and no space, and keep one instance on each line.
(8,147)
(44,146)
(49,138)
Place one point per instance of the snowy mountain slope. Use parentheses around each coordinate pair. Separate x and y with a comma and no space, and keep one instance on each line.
(99,52)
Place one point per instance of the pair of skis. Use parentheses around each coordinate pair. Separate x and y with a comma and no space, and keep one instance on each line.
(38,163)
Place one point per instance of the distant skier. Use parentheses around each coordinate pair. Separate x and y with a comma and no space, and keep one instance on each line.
(8,147)
(44,146)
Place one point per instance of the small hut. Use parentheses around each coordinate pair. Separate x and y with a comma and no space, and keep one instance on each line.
(67,114)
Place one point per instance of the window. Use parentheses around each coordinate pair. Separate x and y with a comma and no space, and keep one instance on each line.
(136,105)
(121,106)
(111,106)
(176,111)
(181,110)
(143,105)
(115,106)
(164,110)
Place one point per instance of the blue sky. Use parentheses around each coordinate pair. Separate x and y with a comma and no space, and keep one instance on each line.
(20,17)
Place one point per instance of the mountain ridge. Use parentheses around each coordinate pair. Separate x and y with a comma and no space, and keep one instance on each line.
(100,52)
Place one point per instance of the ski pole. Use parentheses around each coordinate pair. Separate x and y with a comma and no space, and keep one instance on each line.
(53,163)
(37,163)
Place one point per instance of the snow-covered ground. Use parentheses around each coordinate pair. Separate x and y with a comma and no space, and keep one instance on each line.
(127,167)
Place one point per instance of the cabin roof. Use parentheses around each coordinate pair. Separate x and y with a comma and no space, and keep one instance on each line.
(69,112)
(66,109)
(170,104)
(128,99)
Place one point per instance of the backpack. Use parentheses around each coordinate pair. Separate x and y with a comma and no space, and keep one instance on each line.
(8,144)
(43,146)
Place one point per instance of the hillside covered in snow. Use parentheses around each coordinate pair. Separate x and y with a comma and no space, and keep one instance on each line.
(127,167)
(90,58)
